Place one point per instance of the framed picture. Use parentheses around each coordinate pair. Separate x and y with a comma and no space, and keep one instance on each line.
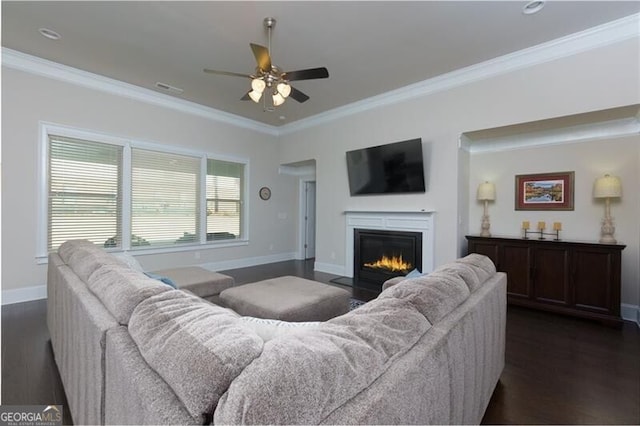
(545,191)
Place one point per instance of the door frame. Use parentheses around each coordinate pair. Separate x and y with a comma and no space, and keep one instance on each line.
(302,200)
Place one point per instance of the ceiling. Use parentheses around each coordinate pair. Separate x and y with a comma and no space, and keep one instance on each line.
(369,48)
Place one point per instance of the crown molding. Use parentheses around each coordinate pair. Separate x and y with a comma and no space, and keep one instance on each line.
(45,68)
(592,38)
(572,134)
(603,35)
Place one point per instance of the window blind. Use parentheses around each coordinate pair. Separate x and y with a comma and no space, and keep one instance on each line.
(224,186)
(84,202)
(164,198)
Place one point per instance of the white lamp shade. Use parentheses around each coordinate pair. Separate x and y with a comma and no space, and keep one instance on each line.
(284,89)
(258,85)
(255,96)
(607,187)
(278,99)
(486,192)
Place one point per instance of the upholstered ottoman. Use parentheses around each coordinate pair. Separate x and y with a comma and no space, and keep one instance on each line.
(199,281)
(288,299)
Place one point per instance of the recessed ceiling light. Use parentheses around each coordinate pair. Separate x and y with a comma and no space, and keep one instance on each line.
(50,34)
(282,118)
(533,7)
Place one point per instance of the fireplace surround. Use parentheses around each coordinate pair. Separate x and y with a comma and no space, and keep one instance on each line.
(402,222)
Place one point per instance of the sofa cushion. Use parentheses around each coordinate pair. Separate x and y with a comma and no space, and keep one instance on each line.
(481,264)
(474,269)
(84,257)
(393,281)
(433,295)
(322,368)
(85,263)
(129,260)
(121,289)
(69,247)
(268,329)
(197,347)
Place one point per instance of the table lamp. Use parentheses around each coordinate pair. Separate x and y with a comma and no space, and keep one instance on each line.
(607,187)
(486,193)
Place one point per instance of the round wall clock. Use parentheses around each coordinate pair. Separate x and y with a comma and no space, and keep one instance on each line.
(265,193)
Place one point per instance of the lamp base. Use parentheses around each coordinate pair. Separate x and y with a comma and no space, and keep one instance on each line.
(485,226)
(608,239)
(607,231)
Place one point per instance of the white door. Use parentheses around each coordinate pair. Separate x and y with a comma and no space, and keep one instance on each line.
(310,220)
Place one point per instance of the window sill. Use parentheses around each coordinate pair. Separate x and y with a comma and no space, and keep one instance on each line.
(43,260)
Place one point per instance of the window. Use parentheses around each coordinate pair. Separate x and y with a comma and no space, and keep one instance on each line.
(164,198)
(84,201)
(134,195)
(224,199)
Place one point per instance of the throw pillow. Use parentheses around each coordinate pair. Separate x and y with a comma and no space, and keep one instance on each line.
(413,274)
(168,281)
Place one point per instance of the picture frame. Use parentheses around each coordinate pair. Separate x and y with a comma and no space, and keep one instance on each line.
(545,191)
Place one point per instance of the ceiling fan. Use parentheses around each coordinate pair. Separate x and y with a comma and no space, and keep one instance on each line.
(268,77)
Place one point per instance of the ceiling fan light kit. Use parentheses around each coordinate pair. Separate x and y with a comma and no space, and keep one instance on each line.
(277,99)
(269,77)
(255,96)
(258,85)
(284,89)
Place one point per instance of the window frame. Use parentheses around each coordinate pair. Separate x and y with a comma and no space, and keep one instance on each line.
(241,203)
(47,129)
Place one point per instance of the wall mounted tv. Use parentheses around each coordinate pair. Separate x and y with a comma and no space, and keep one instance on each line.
(393,168)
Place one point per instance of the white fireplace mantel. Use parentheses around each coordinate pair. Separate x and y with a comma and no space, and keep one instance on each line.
(407,221)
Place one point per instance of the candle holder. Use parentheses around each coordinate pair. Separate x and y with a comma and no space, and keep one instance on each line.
(541,234)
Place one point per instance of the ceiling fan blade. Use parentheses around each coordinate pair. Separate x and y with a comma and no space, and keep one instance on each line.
(233,74)
(298,95)
(309,74)
(262,57)
(245,97)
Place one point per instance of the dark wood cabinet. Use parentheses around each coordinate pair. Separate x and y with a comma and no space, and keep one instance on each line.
(569,277)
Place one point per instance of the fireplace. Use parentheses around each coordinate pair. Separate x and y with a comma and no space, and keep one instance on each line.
(382,254)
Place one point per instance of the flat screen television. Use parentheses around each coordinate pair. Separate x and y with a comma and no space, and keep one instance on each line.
(393,168)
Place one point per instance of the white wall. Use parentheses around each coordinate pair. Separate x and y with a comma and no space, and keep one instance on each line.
(598,79)
(28,99)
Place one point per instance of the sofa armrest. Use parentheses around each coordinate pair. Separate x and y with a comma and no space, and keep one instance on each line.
(147,399)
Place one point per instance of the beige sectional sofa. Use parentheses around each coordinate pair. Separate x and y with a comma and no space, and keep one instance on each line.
(132,350)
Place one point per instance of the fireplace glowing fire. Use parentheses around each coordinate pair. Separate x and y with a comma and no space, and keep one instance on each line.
(393,263)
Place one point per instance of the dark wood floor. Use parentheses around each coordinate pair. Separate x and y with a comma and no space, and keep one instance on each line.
(559,370)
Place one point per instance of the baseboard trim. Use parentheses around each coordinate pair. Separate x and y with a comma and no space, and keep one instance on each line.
(39,292)
(630,313)
(249,261)
(329,268)
(26,294)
